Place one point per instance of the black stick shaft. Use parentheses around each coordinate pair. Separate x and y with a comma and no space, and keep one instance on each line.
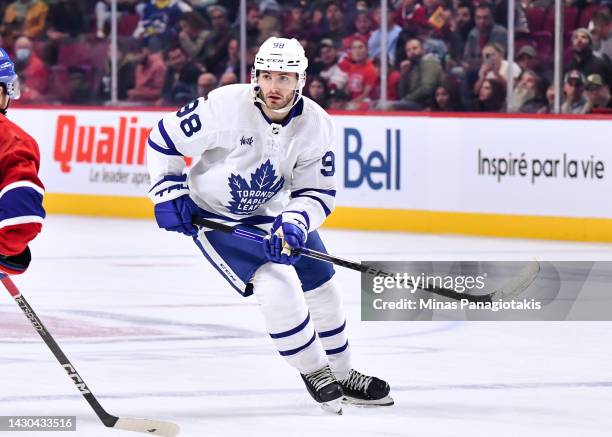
(363,268)
(108,419)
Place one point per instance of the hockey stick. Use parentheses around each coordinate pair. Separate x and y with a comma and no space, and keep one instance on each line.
(509,290)
(152,427)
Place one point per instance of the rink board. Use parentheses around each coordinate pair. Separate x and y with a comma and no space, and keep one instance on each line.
(534,177)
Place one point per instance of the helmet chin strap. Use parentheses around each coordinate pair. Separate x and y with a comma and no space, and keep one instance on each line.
(282,111)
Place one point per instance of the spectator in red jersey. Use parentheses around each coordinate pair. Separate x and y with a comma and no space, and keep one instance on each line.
(32,71)
(362,30)
(21,191)
(150,72)
(420,75)
(362,76)
(410,16)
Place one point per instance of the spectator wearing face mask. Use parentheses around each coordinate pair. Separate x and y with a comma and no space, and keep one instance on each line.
(575,101)
(32,72)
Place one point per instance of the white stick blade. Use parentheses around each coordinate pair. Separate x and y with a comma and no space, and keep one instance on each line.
(146,426)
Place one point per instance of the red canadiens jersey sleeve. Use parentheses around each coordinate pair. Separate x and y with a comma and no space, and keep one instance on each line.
(21,191)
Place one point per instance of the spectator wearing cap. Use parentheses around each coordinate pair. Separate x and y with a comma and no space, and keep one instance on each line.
(583,58)
(362,76)
(25,17)
(528,96)
(393,31)
(575,101)
(598,93)
(327,66)
(180,82)
(602,34)
(420,74)
(484,32)
(149,75)
(33,74)
(363,31)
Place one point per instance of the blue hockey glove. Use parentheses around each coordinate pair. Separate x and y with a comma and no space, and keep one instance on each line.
(176,215)
(289,231)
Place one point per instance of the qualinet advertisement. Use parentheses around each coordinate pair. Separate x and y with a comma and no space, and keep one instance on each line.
(553,167)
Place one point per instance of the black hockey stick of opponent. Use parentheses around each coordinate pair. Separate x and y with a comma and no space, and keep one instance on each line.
(152,427)
(506,291)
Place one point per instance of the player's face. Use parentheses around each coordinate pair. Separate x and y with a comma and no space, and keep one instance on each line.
(277,88)
(3,99)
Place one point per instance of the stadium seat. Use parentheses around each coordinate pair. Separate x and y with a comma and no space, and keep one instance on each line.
(535,18)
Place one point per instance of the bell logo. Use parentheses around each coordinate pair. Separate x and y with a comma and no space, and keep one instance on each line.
(379,169)
(125,143)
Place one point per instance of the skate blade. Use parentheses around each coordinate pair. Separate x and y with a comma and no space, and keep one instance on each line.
(387,401)
(333,407)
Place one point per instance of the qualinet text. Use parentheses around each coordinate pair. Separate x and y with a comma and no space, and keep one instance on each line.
(412,283)
(463,304)
(122,144)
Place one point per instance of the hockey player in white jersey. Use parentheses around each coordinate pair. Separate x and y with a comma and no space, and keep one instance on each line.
(264,160)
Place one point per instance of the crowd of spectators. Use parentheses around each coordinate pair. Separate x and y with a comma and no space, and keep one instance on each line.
(443,55)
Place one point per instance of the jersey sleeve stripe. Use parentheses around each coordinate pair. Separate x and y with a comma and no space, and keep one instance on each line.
(160,149)
(21,201)
(172,178)
(323,205)
(316,190)
(20,220)
(165,136)
(20,184)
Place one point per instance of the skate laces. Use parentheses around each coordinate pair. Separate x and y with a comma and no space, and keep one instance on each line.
(357,381)
(320,378)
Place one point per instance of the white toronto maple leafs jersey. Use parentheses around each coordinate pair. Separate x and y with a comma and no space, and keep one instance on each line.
(246,168)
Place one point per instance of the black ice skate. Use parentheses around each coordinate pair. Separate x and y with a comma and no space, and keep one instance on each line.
(325,389)
(365,391)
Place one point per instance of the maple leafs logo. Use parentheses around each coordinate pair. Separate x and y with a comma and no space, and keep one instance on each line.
(248,197)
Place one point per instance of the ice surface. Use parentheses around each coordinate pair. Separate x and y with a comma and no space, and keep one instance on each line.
(156,333)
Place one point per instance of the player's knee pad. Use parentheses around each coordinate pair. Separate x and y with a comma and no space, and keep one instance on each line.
(326,300)
(278,290)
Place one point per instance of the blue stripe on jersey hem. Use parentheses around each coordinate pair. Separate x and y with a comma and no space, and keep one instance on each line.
(197,242)
(21,201)
(166,137)
(337,350)
(161,150)
(326,210)
(171,178)
(299,349)
(292,331)
(317,190)
(333,331)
